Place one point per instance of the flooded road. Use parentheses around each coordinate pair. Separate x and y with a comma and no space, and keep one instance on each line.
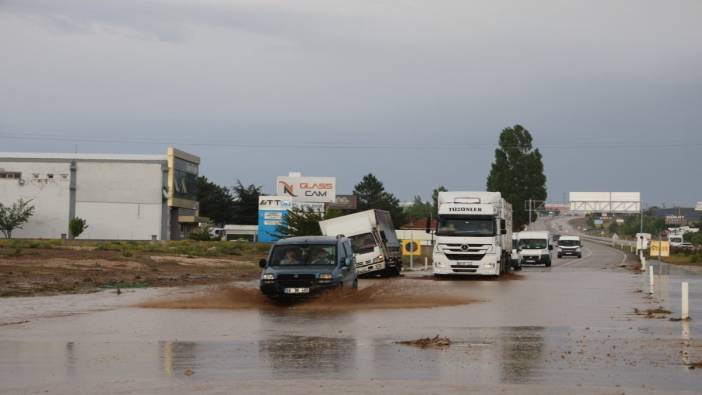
(569,328)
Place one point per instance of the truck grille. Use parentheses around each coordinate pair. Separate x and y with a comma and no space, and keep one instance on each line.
(459,267)
(290,280)
(464,257)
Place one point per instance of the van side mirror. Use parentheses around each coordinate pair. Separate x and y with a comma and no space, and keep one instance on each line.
(262,263)
(503,231)
(382,237)
(503,225)
(348,261)
(550,247)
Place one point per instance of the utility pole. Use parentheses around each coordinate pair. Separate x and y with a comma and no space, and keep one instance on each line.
(530,203)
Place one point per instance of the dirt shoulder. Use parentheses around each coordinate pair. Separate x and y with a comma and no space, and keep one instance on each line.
(38,270)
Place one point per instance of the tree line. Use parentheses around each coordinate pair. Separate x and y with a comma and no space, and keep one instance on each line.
(517,172)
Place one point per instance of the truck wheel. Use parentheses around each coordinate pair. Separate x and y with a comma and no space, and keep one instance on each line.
(560,256)
(580,255)
(548,263)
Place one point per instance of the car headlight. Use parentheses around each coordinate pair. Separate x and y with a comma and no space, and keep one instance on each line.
(325,277)
(268,276)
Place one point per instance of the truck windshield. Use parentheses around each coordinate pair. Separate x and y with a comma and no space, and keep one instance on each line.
(532,244)
(303,254)
(452,226)
(363,244)
(568,243)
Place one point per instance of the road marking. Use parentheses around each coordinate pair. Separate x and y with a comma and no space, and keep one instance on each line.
(579,259)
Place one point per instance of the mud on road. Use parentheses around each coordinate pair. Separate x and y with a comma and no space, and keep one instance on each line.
(55,271)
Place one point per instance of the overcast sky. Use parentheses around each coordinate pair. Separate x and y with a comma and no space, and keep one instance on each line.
(259,88)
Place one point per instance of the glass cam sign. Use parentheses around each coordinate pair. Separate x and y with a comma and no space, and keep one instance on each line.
(307,189)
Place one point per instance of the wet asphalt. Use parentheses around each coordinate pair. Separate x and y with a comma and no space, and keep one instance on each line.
(568,328)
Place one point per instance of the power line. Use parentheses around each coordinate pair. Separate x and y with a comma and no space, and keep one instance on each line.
(342,146)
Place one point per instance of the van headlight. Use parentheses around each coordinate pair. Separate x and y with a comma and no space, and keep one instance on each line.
(268,277)
(325,277)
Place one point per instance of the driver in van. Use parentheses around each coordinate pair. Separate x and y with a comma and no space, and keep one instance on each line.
(322,257)
(290,257)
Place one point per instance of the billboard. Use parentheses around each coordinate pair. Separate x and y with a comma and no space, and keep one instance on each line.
(182,179)
(611,202)
(307,189)
(271,214)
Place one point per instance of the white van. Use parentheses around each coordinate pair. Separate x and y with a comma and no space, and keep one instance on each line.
(570,245)
(534,248)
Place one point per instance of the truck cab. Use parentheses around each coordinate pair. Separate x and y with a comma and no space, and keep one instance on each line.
(473,234)
(535,248)
(373,241)
(302,266)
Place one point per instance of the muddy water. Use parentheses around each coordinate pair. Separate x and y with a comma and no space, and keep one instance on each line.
(569,328)
(396,294)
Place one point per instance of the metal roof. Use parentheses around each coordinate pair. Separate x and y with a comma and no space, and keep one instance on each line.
(308,239)
(82,156)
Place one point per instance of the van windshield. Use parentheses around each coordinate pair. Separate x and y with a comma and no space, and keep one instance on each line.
(363,244)
(533,244)
(303,254)
(569,243)
(466,226)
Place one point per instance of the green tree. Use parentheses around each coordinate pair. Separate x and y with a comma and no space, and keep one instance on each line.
(201,233)
(246,203)
(371,194)
(76,226)
(435,199)
(303,222)
(518,172)
(15,216)
(216,202)
(418,209)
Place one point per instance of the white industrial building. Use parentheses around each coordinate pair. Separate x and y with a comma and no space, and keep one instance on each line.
(121,197)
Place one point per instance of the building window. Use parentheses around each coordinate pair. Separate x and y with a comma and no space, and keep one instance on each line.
(11,175)
(50,176)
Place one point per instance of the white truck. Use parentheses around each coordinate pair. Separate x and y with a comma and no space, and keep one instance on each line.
(535,248)
(373,240)
(473,234)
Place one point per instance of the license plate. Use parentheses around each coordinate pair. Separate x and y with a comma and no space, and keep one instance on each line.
(465,264)
(297,290)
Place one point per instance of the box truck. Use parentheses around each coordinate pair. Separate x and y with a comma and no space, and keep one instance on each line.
(373,240)
(473,234)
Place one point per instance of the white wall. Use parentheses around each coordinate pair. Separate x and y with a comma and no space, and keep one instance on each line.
(120,200)
(121,221)
(50,197)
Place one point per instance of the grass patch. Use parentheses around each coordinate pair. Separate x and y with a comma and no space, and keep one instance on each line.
(690,260)
(123,284)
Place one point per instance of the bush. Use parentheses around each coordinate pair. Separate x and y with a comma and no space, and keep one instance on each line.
(76,226)
(201,234)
